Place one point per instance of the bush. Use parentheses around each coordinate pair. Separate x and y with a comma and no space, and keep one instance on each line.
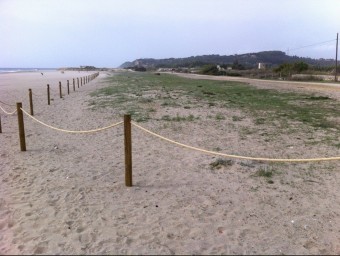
(212,70)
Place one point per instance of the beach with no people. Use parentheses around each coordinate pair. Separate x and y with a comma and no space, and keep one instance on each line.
(66,193)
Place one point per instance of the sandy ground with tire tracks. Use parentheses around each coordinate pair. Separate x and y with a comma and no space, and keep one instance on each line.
(66,193)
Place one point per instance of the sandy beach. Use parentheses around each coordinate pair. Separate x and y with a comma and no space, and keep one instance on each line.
(66,193)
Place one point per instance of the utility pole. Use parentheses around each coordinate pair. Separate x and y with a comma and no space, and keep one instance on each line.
(336,58)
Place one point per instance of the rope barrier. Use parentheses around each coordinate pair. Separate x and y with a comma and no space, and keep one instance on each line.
(235,156)
(8,113)
(69,131)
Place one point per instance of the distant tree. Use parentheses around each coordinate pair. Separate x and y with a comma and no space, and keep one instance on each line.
(300,66)
(238,66)
(212,69)
(209,70)
(142,69)
(286,69)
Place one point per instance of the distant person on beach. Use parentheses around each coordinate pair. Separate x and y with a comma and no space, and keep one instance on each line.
(42,74)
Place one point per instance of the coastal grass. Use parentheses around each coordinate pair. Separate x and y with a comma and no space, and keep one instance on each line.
(139,92)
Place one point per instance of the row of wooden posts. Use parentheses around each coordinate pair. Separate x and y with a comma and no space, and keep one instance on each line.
(83,80)
(127,127)
(127,142)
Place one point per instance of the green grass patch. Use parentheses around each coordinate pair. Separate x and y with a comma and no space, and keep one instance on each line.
(219,163)
(179,118)
(126,91)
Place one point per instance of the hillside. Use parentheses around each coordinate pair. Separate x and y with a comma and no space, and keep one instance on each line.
(248,60)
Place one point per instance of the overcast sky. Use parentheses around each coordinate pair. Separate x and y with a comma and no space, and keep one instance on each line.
(106,33)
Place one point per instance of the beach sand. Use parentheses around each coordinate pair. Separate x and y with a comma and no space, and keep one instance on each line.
(66,193)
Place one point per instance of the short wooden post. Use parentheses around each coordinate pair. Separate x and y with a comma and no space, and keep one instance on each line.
(0,125)
(74,86)
(68,87)
(48,95)
(128,150)
(60,93)
(31,101)
(21,127)
(78,81)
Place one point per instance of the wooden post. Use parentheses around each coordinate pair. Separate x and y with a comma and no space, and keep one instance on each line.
(61,96)
(0,125)
(48,95)
(78,81)
(68,87)
(128,150)
(74,86)
(336,57)
(21,127)
(81,81)
(31,101)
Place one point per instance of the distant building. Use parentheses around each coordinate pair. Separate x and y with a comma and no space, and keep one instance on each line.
(220,68)
(261,65)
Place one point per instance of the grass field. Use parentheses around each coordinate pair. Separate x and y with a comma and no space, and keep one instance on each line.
(143,95)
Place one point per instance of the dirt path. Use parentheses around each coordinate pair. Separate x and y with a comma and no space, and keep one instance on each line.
(330,89)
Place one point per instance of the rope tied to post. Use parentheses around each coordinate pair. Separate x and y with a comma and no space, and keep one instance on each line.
(8,113)
(70,131)
(236,156)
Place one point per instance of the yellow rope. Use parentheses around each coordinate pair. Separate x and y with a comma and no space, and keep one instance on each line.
(68,131)
(236,156)
(8,113)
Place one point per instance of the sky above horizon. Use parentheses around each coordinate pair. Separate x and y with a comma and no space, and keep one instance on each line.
(106,33)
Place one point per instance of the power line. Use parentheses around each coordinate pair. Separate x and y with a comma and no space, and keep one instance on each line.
(311,45)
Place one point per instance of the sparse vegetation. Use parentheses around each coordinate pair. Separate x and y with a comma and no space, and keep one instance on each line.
(144,93)
(219,163)
(267,173)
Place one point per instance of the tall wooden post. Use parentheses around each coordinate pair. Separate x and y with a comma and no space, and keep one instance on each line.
(60,93)
(128,150)
(21,127)
(68,87)
(78,81)
(48,95)
(0,125)
(31,101)
(336,58)
(74,86)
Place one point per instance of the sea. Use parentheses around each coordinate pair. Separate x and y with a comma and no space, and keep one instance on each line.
(19,70)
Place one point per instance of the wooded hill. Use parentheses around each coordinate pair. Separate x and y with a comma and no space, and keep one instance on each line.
(248,60)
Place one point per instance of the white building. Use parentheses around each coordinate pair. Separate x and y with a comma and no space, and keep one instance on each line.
(261,66)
